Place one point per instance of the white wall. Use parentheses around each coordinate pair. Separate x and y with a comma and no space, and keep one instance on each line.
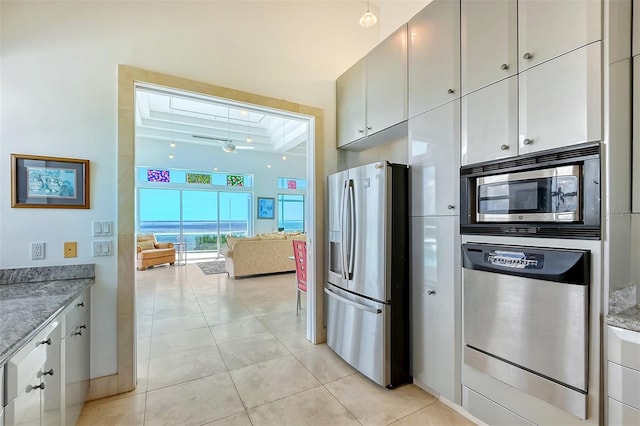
(59,96)
(204,158)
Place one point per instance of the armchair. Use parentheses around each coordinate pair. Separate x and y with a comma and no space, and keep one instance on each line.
(151,253)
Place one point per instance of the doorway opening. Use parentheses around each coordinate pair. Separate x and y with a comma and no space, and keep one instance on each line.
(130,79)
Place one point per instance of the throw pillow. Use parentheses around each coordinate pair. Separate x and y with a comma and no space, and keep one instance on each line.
(146,244)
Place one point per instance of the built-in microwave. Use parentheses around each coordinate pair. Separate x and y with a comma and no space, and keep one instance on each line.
(552,193)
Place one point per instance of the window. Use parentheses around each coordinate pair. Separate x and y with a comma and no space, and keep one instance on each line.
(291,212)
(292,183)
(173,176)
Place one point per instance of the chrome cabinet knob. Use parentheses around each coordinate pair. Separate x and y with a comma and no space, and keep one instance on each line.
(369,127)
(80,305)
(450,91)
(451,207)
(83,326)
(48,373)
(40,386)
(431,292)
(360,130)
(504,67)
(527,56)
(527,141)
(78,333)
(46,342)
(504,147)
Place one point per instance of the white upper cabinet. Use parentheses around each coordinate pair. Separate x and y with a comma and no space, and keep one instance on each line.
(387,82)
(434,56)
(490,122)
(350,104)
(372,95)
(434,153)
(489,42)
(549,28)
(560,101)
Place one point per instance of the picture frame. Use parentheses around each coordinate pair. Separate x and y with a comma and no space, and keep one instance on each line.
(49,182)
(266,208)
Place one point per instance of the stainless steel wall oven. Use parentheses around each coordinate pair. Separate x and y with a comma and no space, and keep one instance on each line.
(554,194)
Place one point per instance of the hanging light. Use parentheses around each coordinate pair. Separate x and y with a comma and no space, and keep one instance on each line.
(268,166)
(171,156)
(172,144)
(284,157)
(368,20)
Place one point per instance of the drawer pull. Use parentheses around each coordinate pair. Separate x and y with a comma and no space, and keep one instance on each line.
(46,342)
(431,292)
(451,91)
(78,333)
(48,373)
(527,141)
(504,147)
(80,305)
(451,207)
(83,326)
(527,56)
(504,67)
(40,386)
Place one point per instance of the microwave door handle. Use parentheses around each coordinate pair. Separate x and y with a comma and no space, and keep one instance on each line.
(352,228)
(356,305)
(343,231)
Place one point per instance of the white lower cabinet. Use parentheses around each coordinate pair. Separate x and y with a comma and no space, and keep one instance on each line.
(76,360)
(46,382)
(27,384)
(435,248)
(623,376)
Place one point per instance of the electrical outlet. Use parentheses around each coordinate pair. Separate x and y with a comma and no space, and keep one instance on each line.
(37,251)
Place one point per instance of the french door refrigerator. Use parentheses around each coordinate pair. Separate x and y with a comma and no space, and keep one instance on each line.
(367,289)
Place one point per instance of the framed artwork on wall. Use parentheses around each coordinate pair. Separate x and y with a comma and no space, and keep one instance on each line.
(265,208)
(49,182)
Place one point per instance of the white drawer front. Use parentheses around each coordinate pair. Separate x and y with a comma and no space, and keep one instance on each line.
(75,310)
(624,347)
(24,365)
(622,415)
(624,384)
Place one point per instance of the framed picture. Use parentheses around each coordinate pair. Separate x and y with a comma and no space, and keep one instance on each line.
(265,208)
(49,182)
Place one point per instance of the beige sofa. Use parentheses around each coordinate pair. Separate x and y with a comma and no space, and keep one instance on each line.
(262,254)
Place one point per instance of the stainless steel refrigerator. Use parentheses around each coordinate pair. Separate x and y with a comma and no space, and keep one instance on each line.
(367,289)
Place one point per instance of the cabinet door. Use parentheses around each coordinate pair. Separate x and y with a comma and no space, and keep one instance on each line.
(435,246)
(51,377)
(386,78)
(489,42)
(549,28)
(350,104)
(25,409)
(636,131)
(434,156)
(434,56)
(490,122)
(560,101)
(76,361)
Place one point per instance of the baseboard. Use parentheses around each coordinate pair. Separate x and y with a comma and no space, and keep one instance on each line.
(102,387)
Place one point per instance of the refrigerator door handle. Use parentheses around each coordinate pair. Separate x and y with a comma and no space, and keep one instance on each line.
(354,304)
(343,231)
(352,229)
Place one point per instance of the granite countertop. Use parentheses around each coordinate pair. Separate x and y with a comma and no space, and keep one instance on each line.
(26,308)
(628,318)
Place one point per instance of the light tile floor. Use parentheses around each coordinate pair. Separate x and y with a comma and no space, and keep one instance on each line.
(218,351)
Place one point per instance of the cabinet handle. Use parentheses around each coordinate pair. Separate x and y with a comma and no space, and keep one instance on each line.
(504,67)
(360,130)
(527,56)
(83,326)
(451,207)
(46,342)
(527,141)
(369,127)
(80,305)
(451,91)
(504,147)
(431,292)
(78,333)
(48,373)
(40,386)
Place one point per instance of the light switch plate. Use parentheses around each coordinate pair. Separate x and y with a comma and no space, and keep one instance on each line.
(70,249)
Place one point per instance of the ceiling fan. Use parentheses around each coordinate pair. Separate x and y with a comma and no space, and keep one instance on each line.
(227,145)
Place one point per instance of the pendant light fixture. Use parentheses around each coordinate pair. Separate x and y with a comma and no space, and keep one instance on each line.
(368,20)
(249,140)
(173,135)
